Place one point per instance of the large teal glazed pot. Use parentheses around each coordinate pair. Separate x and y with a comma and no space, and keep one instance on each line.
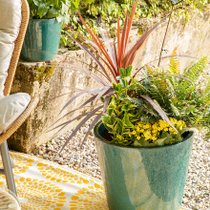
(143,178)
(42,40)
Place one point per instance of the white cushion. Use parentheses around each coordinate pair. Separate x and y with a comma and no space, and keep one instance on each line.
(10,19)
(11,107)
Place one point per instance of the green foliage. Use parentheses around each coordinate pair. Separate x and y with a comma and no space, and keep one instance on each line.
(44,9)
(184,99)
(181,94)
(106,12)
(109,10)
(194,71)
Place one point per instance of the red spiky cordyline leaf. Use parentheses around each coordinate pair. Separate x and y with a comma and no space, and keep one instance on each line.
(116,55)
(99,44)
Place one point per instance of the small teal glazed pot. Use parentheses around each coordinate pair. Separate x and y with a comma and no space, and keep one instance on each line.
(42,40)
(143,178)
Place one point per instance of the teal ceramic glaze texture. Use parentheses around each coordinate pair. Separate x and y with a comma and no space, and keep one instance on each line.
(42,39)
(143,178)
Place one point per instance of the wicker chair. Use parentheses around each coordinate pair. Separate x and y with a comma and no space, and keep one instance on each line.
(7,166)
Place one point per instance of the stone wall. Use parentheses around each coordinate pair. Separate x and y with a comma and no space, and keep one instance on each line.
(55,83)
(63,75)
(191,39)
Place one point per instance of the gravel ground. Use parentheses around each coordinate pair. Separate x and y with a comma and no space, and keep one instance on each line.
(84,159)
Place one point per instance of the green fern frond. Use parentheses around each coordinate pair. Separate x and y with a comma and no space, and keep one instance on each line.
(159,90)
(207,89)
(174,66)
(185,89)
(170,87)
(149,70)
(194,71)
(155,92)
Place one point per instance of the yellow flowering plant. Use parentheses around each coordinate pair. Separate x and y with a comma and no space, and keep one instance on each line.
(159,108)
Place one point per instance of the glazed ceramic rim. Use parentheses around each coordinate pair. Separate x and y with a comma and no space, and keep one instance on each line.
(102,139)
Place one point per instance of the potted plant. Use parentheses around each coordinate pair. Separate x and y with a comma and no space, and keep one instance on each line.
(144,138)
(43,34)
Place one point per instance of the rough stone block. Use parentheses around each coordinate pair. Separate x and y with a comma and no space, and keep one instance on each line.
(55,81)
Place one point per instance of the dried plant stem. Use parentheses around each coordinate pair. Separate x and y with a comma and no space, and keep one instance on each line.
(164,38)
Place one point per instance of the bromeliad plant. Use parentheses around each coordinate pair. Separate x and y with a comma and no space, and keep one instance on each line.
(153,110)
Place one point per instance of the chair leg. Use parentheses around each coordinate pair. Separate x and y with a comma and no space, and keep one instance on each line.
(7,167)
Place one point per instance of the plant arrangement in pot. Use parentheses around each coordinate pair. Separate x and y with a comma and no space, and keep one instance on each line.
(43,34)
(144,138)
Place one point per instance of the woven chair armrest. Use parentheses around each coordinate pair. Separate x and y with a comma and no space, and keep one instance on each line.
(20,120)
